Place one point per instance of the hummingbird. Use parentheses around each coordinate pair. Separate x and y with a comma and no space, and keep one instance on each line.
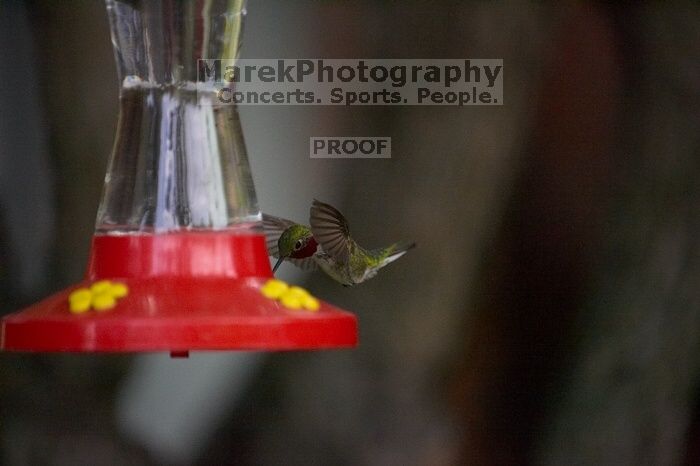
(327,244)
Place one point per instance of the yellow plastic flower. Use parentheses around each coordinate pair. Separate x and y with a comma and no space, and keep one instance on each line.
(99,287)
(118,290)
(310,303)
(103,301)
(291,297)
(298,292)
(274,288)
(79,300)
(290,301)
(101,296)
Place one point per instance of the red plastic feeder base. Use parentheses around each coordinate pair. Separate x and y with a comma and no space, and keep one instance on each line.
(187,291)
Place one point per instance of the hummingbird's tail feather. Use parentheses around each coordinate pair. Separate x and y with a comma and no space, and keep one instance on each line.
(399,250)
(391,253)
(404,246)
(379,258)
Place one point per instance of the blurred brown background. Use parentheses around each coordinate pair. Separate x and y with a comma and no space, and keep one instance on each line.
(550,314)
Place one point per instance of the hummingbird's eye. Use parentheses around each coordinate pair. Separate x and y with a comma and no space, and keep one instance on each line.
(298,245)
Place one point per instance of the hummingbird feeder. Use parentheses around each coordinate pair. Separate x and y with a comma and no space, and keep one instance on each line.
(178,259)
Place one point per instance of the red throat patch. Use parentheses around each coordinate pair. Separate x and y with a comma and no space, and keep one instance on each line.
(307,251)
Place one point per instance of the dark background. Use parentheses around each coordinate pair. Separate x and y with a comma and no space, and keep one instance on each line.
(550,314)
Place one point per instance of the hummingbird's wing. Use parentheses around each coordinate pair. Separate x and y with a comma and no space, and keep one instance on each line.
(307,263)
(273,228)
(331,231)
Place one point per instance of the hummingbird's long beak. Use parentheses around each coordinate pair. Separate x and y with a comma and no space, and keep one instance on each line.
(279,261)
